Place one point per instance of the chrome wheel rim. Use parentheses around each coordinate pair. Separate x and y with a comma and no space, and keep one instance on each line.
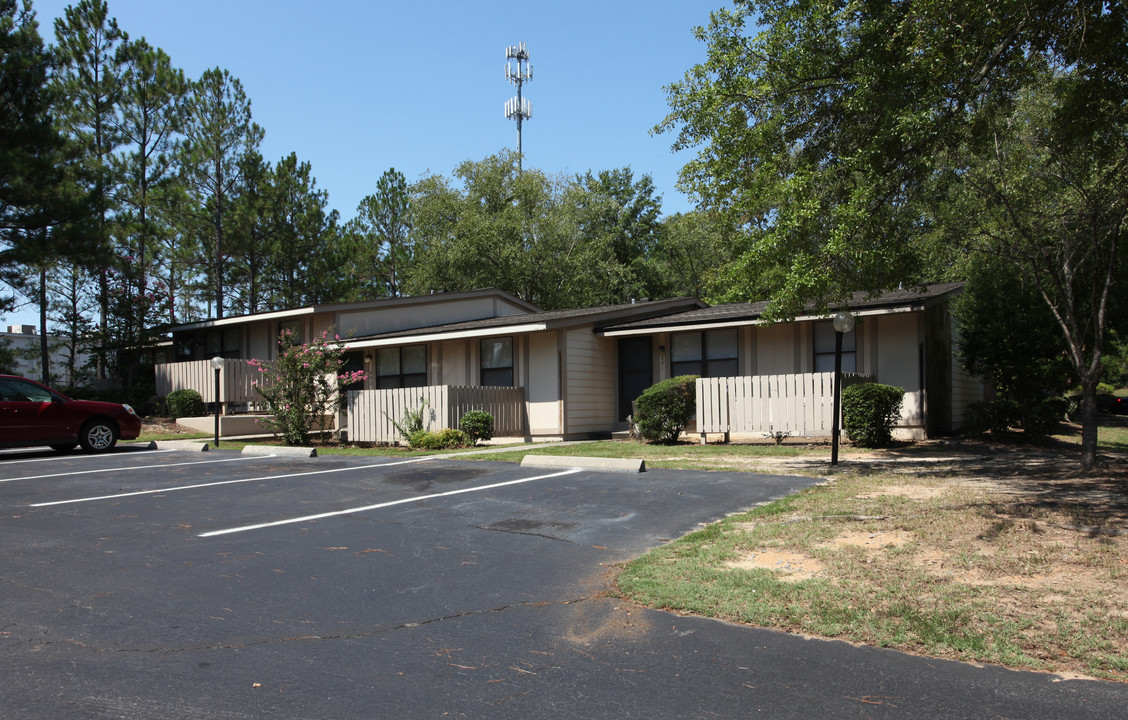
(100,437)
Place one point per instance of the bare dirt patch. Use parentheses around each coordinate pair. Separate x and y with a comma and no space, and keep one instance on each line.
(793,566)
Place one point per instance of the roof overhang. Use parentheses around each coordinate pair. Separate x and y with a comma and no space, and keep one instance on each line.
(744,322)
(243,319)
(396,341)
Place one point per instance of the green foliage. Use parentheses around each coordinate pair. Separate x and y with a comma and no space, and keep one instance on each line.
(381,232)
(184,403)
(301,387)
(444,439)
(869,413)
(1009,337)
(665,408)
(996,416)
(554,242)
(413,420)
(478,425)
(7,357)
(862,146)
(218,132)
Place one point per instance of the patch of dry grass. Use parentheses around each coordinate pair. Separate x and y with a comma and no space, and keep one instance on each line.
(1025,570)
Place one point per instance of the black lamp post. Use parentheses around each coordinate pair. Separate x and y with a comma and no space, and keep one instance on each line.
(217,365)
(843,323)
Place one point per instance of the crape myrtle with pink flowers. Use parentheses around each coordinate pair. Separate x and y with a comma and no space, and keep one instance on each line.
(304,387)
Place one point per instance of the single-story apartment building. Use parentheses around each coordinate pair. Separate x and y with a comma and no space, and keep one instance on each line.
(574,373)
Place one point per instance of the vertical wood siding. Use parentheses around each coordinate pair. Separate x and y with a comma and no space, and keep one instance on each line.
(372,414)
(235,378)
(802,404)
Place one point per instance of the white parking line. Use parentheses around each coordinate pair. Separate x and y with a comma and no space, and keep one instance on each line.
(138,467)
(57,457)
(161,491)
(365,508)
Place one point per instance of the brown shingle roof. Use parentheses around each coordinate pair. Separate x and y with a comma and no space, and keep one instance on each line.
(731,312)
(557,318)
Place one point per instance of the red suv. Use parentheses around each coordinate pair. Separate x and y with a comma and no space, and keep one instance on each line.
(32,414)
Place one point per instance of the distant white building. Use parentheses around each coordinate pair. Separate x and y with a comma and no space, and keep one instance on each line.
(23,341)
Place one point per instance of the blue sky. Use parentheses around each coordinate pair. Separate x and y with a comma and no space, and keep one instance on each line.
(357,87)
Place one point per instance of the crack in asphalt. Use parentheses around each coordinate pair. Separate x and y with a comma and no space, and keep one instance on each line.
(523,532)
(238,646)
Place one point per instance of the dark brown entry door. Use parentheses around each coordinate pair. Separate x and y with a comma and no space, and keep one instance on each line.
(636,371)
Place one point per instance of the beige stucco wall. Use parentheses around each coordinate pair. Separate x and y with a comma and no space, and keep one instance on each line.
(543,387)
(897,362)
(455,363)
(778,349)
(966,388)
(399,317)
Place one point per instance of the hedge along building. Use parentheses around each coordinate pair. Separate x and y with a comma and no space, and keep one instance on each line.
(574,373)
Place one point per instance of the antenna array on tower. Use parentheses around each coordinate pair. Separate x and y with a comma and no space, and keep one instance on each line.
(518,71)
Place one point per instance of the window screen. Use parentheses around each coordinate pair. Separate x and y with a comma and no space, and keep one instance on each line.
(497,362)
(713,353)
(823,342)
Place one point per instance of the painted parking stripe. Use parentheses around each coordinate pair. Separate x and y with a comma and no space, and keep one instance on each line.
(161,491)
(57,457)
(138,467)
(377,506)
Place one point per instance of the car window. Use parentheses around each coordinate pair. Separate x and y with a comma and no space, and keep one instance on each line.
(13,389)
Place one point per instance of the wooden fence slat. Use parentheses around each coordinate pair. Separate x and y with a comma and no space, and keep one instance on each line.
(800,403)
(373,413)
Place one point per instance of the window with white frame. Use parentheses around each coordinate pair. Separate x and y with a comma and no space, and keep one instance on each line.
(710,353)
(823,343)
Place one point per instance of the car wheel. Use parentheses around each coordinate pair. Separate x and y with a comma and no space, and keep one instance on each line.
(63,447)
(98,435)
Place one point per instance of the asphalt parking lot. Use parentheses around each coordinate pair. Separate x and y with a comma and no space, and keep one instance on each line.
(158,584)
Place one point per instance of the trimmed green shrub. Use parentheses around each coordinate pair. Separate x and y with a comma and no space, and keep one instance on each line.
(996,416)
(1039,418)
(869,412)
(664,409)
(478,425)
(184,403)
(441,440)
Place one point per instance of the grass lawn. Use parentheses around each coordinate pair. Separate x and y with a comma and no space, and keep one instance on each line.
(1001,554)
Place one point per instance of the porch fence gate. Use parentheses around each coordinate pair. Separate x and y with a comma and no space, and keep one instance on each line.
(372,414)
(798,404)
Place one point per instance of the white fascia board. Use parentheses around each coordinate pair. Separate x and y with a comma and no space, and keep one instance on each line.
(276,315)
(442,336)
(688,327)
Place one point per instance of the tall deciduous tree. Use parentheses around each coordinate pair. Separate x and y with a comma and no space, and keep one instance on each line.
(218,131)
(620,214)
(828,133)
(520,231)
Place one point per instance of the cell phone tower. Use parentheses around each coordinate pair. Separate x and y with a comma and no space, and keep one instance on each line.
(518,70)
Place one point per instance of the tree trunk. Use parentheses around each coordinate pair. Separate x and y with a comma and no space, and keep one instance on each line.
(1089,421)
(44,350)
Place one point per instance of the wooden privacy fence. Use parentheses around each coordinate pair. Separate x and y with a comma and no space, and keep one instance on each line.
(800,404)
(371,412)
(235,378)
